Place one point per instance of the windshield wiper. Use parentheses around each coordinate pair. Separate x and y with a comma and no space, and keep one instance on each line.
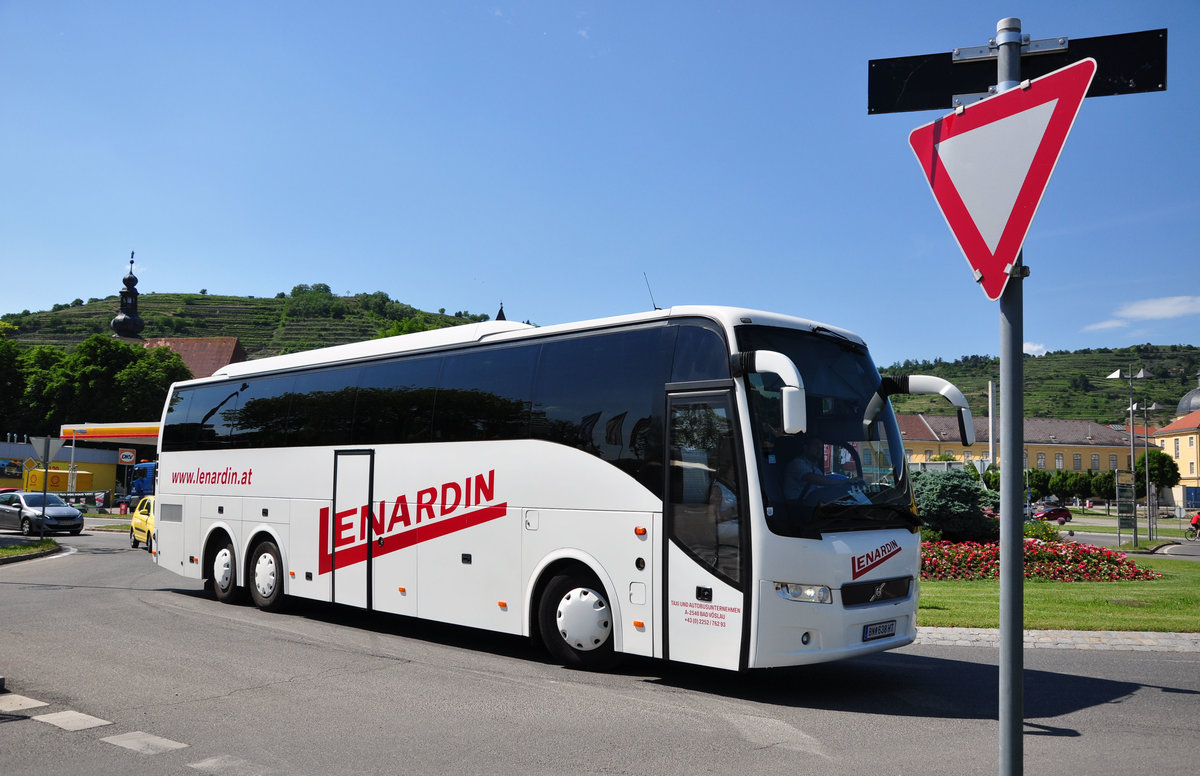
(842,339)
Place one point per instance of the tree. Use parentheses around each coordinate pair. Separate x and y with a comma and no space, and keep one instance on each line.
(1038,481)
(949,502)
(1104,485)
(38,365)
(12,386)
(1164,472)
(101,380)
(143,384)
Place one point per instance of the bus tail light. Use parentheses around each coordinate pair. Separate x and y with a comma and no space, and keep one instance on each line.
(813,594)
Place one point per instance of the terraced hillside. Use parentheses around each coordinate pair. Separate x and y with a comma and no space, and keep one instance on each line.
(264,326)
(1070,385)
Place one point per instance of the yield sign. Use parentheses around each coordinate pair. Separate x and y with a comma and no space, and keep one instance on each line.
(988,165)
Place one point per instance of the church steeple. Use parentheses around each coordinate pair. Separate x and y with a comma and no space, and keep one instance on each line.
(127,323)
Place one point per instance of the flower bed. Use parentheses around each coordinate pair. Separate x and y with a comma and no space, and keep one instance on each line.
(1047,561)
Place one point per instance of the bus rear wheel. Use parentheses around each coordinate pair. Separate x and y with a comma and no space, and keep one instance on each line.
(576,622)
(266,586)
(223,574)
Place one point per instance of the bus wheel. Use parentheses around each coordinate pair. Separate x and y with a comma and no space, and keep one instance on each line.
(576,622)
(267,587)
(224,577)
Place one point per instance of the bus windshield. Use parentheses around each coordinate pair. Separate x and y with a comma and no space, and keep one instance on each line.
(847,471)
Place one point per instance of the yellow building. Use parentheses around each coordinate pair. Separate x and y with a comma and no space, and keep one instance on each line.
(1051,444)
(1181,441)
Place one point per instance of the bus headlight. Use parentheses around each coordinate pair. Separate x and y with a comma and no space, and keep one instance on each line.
(813,594)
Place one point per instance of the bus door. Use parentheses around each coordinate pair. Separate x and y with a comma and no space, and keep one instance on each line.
(707,551)
(351,529)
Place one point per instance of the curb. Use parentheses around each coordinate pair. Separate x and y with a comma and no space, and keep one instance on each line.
(29,556)
(1137,641)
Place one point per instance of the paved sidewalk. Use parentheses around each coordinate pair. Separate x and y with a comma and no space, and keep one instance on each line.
(1140,641)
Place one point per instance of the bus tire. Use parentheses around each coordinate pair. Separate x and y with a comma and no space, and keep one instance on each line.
(266,577)
(223,574)
(576,622)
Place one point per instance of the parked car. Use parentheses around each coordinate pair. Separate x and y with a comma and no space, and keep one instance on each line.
(141,524)
(1054,513)
(22,511)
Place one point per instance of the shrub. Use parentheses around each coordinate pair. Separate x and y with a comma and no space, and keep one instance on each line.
(1042,530)
(930,534)
(949,502)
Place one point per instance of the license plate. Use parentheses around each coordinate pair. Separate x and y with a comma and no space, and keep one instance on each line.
(879,630)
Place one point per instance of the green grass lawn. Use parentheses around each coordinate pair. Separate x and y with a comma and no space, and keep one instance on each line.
(1170,604)
(28,548)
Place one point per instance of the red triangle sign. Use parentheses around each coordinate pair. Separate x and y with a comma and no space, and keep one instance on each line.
(988,165)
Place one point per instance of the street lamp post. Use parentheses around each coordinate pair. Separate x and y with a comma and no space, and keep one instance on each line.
(1142,374)
(1150,523)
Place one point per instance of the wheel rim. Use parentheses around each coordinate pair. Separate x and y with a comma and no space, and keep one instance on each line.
(583,619)
(223,568)
(265,575)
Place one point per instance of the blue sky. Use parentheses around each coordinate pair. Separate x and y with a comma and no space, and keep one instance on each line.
(552,155)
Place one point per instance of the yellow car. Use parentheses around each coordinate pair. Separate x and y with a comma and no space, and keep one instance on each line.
(141,524)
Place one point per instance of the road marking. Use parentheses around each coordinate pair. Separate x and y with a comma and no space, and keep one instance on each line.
(144,742)
(13,702)
(767,731)
(72,720)
(227,765)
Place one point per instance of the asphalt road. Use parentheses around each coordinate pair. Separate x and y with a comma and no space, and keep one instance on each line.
(141,673)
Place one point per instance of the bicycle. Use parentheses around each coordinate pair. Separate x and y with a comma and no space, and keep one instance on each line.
(1189,533)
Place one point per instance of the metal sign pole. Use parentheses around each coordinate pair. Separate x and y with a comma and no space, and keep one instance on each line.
(1012,434)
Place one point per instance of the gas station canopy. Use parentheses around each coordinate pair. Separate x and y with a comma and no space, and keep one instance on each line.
(130,433)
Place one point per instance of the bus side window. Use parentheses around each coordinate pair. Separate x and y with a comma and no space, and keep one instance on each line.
(700,354)
(485,394)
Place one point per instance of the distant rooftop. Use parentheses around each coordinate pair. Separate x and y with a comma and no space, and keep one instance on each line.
(202,355)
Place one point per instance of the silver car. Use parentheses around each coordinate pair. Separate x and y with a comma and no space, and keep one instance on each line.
(23,512)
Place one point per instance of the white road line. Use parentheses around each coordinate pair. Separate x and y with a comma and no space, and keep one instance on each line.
(72,720)
(144,742)
(12,702)
(227,765)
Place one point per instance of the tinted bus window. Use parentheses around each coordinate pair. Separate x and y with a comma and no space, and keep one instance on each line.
(700,354)
(395,401)
(323,406)
(202,423)
(261,416)
(602,394)
(484,394)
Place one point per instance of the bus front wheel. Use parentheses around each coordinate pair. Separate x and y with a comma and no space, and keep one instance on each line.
(576,622)
(224,575)
(266,578)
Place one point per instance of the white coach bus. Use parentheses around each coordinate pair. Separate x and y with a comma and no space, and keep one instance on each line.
(710,485)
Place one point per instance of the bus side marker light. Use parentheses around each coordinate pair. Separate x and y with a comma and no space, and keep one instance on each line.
(639,531)
(639,624)
(292,574)
(503,605)
(401,590)
(193,559)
